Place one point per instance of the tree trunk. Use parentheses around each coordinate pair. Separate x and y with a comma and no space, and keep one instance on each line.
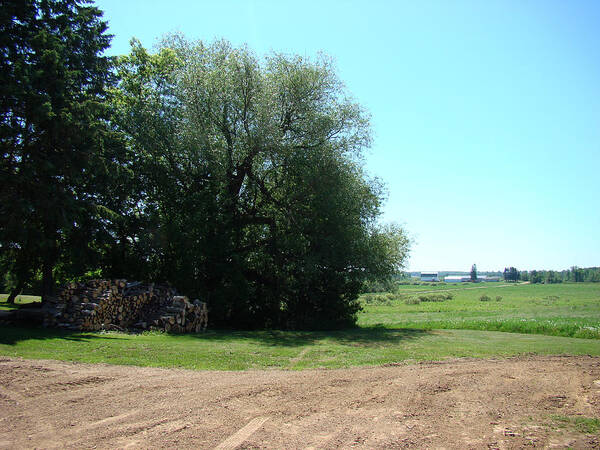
(47,280)
(14,292)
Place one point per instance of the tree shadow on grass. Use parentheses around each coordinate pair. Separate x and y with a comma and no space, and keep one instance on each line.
(10,335)
(9,306)
(18,305)
(364,337)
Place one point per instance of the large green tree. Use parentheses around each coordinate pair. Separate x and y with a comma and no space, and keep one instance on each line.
(252,192)
(53,134)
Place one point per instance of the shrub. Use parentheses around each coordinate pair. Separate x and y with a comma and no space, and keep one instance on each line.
(378,299)
(498,298)
(442,297)
(412,301)
(484,298)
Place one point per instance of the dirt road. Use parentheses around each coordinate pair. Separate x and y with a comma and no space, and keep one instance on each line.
(455,404)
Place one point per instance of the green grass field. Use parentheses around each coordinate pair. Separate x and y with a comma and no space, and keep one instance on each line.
(223,350)
(571,310)
(542,319)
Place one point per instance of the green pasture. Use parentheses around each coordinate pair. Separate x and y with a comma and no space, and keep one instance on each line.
(542,319)
(571,310)
(441,286)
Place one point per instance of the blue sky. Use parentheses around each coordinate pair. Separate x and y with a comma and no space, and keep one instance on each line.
(486,114)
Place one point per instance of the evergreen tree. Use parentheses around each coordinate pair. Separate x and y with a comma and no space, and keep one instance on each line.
(52,132)
(474,273)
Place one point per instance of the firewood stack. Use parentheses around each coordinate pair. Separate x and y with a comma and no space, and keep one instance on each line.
(116,304)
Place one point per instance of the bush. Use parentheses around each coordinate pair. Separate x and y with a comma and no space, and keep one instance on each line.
(368,298)
(378,299)
(412,301)
(442,297)
(484,298)
(498,298)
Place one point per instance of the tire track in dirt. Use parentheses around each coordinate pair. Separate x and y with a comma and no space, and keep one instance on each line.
(452,404)
(238,438)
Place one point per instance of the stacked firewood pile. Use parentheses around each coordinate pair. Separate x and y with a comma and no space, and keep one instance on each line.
(116,304)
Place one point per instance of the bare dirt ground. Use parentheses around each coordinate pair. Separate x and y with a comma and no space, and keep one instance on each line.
(455,404)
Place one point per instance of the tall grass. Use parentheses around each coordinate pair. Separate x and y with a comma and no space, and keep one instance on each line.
(571,310)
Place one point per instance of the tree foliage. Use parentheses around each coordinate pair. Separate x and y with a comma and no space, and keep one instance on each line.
(52,85)
(511,274)
(474,273)
(237,179)
(575,274)
(253,190)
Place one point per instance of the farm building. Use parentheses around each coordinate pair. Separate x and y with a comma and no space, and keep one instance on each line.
(457,278)
(467,278)
(429,276)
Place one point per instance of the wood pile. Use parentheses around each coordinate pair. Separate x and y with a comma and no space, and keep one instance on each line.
(118,304)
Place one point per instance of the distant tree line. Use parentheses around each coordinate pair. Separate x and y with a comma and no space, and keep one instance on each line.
(511,274)
(574,274)
(238,179)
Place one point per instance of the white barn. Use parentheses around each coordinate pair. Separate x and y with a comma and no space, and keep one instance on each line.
(457,278)
(467,278)
(429,276)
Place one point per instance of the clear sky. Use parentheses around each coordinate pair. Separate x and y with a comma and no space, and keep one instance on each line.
(486,114)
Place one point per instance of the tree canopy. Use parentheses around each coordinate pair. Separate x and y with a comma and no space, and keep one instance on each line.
(52,84)
(253,189)
(236,178)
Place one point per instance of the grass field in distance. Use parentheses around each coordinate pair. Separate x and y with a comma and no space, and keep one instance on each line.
(569,309)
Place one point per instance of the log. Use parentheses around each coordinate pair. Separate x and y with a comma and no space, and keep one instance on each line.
(106,304)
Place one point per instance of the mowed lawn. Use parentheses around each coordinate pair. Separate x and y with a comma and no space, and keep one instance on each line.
(391,331)
(223,350)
